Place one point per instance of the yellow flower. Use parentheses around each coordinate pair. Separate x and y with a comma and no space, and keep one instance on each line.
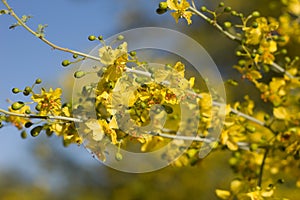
(18,122)
(267,48)
(180,10)
(48,102)
(254,35)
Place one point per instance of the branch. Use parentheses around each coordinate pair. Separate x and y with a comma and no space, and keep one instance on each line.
(40,117)
(215,24)
(13,14)
(261,170)
(234,38)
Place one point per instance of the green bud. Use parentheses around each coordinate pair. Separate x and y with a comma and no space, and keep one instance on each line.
(118,156)
(132,53)
(254,24)
(233,161)
(27,91)
(203,9)
(16,90)
(120,37)
(49,132)
(23,135)
(234,13)
(255,14)
(36,131)
(283,51)
(221,4)
(65,63)
(266,117)
(28,124)
(38,107)
(287,59)
(100,37)
(163,5)
(79,74)
(38,81)
(92,38)
(242,62)
(160,11)
(238,53)
(227,9)
(266,68)
(75,56)
(17,105)
(253,147)
(227,24)
(27,111)
(250,128)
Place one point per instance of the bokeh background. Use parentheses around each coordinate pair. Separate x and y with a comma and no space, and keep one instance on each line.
(41,168)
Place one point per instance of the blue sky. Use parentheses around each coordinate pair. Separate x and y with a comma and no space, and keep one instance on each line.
(24,58)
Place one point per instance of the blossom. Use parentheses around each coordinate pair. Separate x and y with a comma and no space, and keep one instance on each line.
(267,48)
(48,102)
(180,10)
(18,122)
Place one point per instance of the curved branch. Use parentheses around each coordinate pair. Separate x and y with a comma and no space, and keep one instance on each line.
(54,46)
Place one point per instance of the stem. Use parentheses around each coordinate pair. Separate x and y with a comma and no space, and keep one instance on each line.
(261,170)
(234,38)
(215,24)
(40,117)
(13,14)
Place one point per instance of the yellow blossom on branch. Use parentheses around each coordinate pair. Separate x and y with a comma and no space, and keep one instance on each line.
(18,122)
(180,10)
(48,102)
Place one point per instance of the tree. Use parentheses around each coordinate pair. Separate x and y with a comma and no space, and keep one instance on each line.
(137,106)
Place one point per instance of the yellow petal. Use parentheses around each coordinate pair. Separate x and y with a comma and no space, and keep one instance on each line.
(223,194)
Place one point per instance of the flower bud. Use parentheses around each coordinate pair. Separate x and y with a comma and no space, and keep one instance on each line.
(92,38)
(65,63)
(17,105)
(16,90)
(38,81)
(163,5)
(36,131)
(79,74)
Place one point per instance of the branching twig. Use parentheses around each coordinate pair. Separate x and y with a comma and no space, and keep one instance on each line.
(13,14)
(233,37)
(215,24)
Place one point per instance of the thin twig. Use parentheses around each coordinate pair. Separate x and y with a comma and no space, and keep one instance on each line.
(215,24)
(70,119)
(261,170)
(13,14)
